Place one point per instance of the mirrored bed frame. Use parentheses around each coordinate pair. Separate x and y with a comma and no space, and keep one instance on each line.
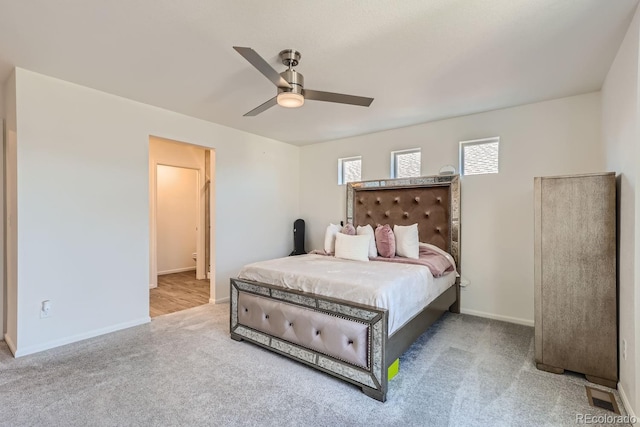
(431,201)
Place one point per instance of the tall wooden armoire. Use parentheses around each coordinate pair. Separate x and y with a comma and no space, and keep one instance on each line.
(575,276)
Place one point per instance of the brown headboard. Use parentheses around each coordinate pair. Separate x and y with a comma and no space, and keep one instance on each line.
(433,202)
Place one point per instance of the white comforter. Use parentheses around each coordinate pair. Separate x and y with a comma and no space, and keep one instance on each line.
(403,289)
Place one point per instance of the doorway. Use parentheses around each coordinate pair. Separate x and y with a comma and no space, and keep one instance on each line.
(176,219)
(180,200)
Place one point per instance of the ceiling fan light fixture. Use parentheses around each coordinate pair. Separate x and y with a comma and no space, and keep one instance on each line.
(290,99)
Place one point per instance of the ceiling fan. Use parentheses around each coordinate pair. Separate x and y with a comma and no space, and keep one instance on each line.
(290,83)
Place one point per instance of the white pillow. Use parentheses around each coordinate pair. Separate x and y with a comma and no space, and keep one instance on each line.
(352,247)
(407,244)
(330,238)
(368,230)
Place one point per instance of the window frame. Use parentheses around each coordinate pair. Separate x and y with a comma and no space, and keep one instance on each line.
(394,162)
(481,141)
(341,162)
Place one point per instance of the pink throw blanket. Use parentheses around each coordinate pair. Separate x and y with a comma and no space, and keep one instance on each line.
(436,262)
(429,257)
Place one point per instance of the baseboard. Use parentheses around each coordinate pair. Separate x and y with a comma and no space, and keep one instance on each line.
(176,270)
(75,338)
(10,344)
(627,407)
(218,301)
(508,319)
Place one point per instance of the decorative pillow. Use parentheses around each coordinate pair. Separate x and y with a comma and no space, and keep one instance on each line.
(330,238)
(385,241)
(368,230)
(433,248)
(352,247)
(348,229)
(407,242)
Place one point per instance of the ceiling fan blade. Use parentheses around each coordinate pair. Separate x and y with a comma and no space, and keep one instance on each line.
(270,103)
(262,66)
(318,95)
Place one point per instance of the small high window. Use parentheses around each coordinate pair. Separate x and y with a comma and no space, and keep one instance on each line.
(479,156)
(405,163)
(349,169)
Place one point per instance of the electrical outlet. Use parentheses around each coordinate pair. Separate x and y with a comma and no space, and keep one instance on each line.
(464,282)
(624,349)
(45,309)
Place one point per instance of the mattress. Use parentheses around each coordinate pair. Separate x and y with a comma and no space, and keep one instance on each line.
(403,289)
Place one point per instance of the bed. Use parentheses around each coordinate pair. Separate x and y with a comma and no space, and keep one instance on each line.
(289,307)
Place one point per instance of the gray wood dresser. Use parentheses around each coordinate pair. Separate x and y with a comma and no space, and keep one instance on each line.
(575,276)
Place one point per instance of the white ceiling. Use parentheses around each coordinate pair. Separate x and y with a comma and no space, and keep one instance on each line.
(421,60)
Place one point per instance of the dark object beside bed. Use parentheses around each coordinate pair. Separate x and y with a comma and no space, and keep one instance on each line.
(356,347)
(298,238)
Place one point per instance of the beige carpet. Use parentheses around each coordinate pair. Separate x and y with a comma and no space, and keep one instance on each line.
(183,369)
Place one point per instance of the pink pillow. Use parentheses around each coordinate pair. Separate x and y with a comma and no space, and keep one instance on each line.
(385,241)
(349,229)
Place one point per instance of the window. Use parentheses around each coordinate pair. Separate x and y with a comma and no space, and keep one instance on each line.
(479,156)
(349,169)
(405,163)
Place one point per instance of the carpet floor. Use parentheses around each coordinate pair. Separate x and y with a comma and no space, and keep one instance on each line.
(182,369)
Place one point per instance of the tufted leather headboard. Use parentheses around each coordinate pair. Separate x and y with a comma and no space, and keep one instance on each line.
(433,202)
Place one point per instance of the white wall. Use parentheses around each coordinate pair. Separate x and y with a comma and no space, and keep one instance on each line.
(3,287)
(178,196)
(3,281)
(83,206)
(620,121)
(2,109)
(10,314)
(548,138)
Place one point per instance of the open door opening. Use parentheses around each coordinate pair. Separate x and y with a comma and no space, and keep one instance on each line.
(180,199)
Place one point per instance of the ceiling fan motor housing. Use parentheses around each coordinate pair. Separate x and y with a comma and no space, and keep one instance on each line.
(295,79)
